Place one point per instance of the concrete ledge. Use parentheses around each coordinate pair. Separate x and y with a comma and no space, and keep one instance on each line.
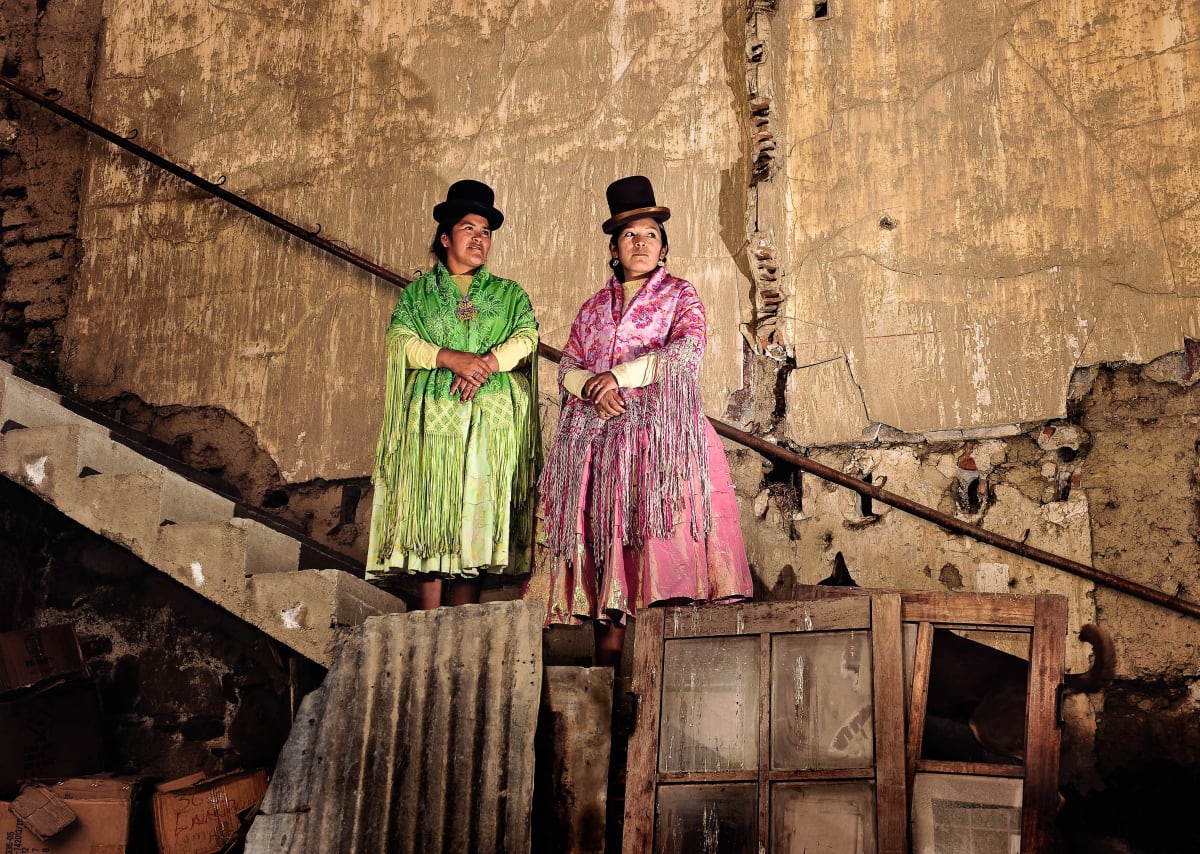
(306,609)
(268,550)
(31,405)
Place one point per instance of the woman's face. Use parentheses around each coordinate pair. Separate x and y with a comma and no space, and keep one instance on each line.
(467,244)
(639,247)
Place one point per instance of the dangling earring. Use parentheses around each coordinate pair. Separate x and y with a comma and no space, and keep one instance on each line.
(614,263)
(662,262)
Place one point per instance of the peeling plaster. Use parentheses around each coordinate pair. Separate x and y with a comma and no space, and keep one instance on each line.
(35,472)
(291,616)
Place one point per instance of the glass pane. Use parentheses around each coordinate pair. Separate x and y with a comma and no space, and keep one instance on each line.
(709,705)
(707,819)
(834,817)
(962,814)
(821,701)
(978,687)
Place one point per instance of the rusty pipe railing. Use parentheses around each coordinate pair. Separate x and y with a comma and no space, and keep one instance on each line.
(955,525)
(756,443)
(943,520)
(207,186)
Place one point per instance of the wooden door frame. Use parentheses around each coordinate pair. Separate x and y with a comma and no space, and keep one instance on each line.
(880,614)
(1044,616)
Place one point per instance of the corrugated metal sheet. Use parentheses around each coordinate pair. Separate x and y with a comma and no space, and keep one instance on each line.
(420,739)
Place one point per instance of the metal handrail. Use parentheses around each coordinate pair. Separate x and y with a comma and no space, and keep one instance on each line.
(756,443)
(215,189)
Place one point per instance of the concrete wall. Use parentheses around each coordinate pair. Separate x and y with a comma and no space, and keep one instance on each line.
(357,117)
(976,199)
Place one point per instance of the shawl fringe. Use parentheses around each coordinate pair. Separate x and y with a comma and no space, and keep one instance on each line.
(637,465)
(427,467)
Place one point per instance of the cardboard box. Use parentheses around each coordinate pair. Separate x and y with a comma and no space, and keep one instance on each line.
(42,811)
(34,656)
(202,817)
(103,808)
(53,732)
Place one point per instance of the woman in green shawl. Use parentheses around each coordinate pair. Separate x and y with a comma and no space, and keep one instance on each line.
(460,444)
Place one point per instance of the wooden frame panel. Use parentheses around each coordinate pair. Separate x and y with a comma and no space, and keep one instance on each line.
(764,737)
(878,614)
(1044,617)
(919,696)
(891,803)
(757,617)
(643,744)
(1047,661)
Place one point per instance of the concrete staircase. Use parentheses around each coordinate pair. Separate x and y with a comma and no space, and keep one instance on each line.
(177,526)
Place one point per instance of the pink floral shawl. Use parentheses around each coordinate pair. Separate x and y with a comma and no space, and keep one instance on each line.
(650,464)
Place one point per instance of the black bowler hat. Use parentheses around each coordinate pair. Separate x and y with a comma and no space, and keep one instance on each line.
(629,199)
(467,197)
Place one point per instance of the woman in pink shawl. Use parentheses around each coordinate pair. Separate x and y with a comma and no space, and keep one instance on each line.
(638,504)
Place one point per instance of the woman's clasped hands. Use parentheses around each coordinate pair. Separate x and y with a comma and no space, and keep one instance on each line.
(470,371)
(604,394)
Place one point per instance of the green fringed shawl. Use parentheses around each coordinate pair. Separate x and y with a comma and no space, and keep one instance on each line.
(431,443)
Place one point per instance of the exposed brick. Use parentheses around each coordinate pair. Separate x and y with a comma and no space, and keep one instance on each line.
(22,255)
(43,311)
(40,337)
(9,132)
(50,228)
(32,283)
(12,172)
(16,215)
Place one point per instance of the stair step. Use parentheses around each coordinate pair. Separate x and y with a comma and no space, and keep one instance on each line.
(122,507)
(31,405)
(300,608)
(181,528)
(234,549)
(268,550)
(208,557)
(49,460)
(130,508)
(184,501)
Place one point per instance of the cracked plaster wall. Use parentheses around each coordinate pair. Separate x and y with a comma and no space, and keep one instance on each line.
(357,117)
(958,211)
(967,201)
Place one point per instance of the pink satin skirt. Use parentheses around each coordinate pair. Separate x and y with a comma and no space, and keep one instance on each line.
(678,569)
